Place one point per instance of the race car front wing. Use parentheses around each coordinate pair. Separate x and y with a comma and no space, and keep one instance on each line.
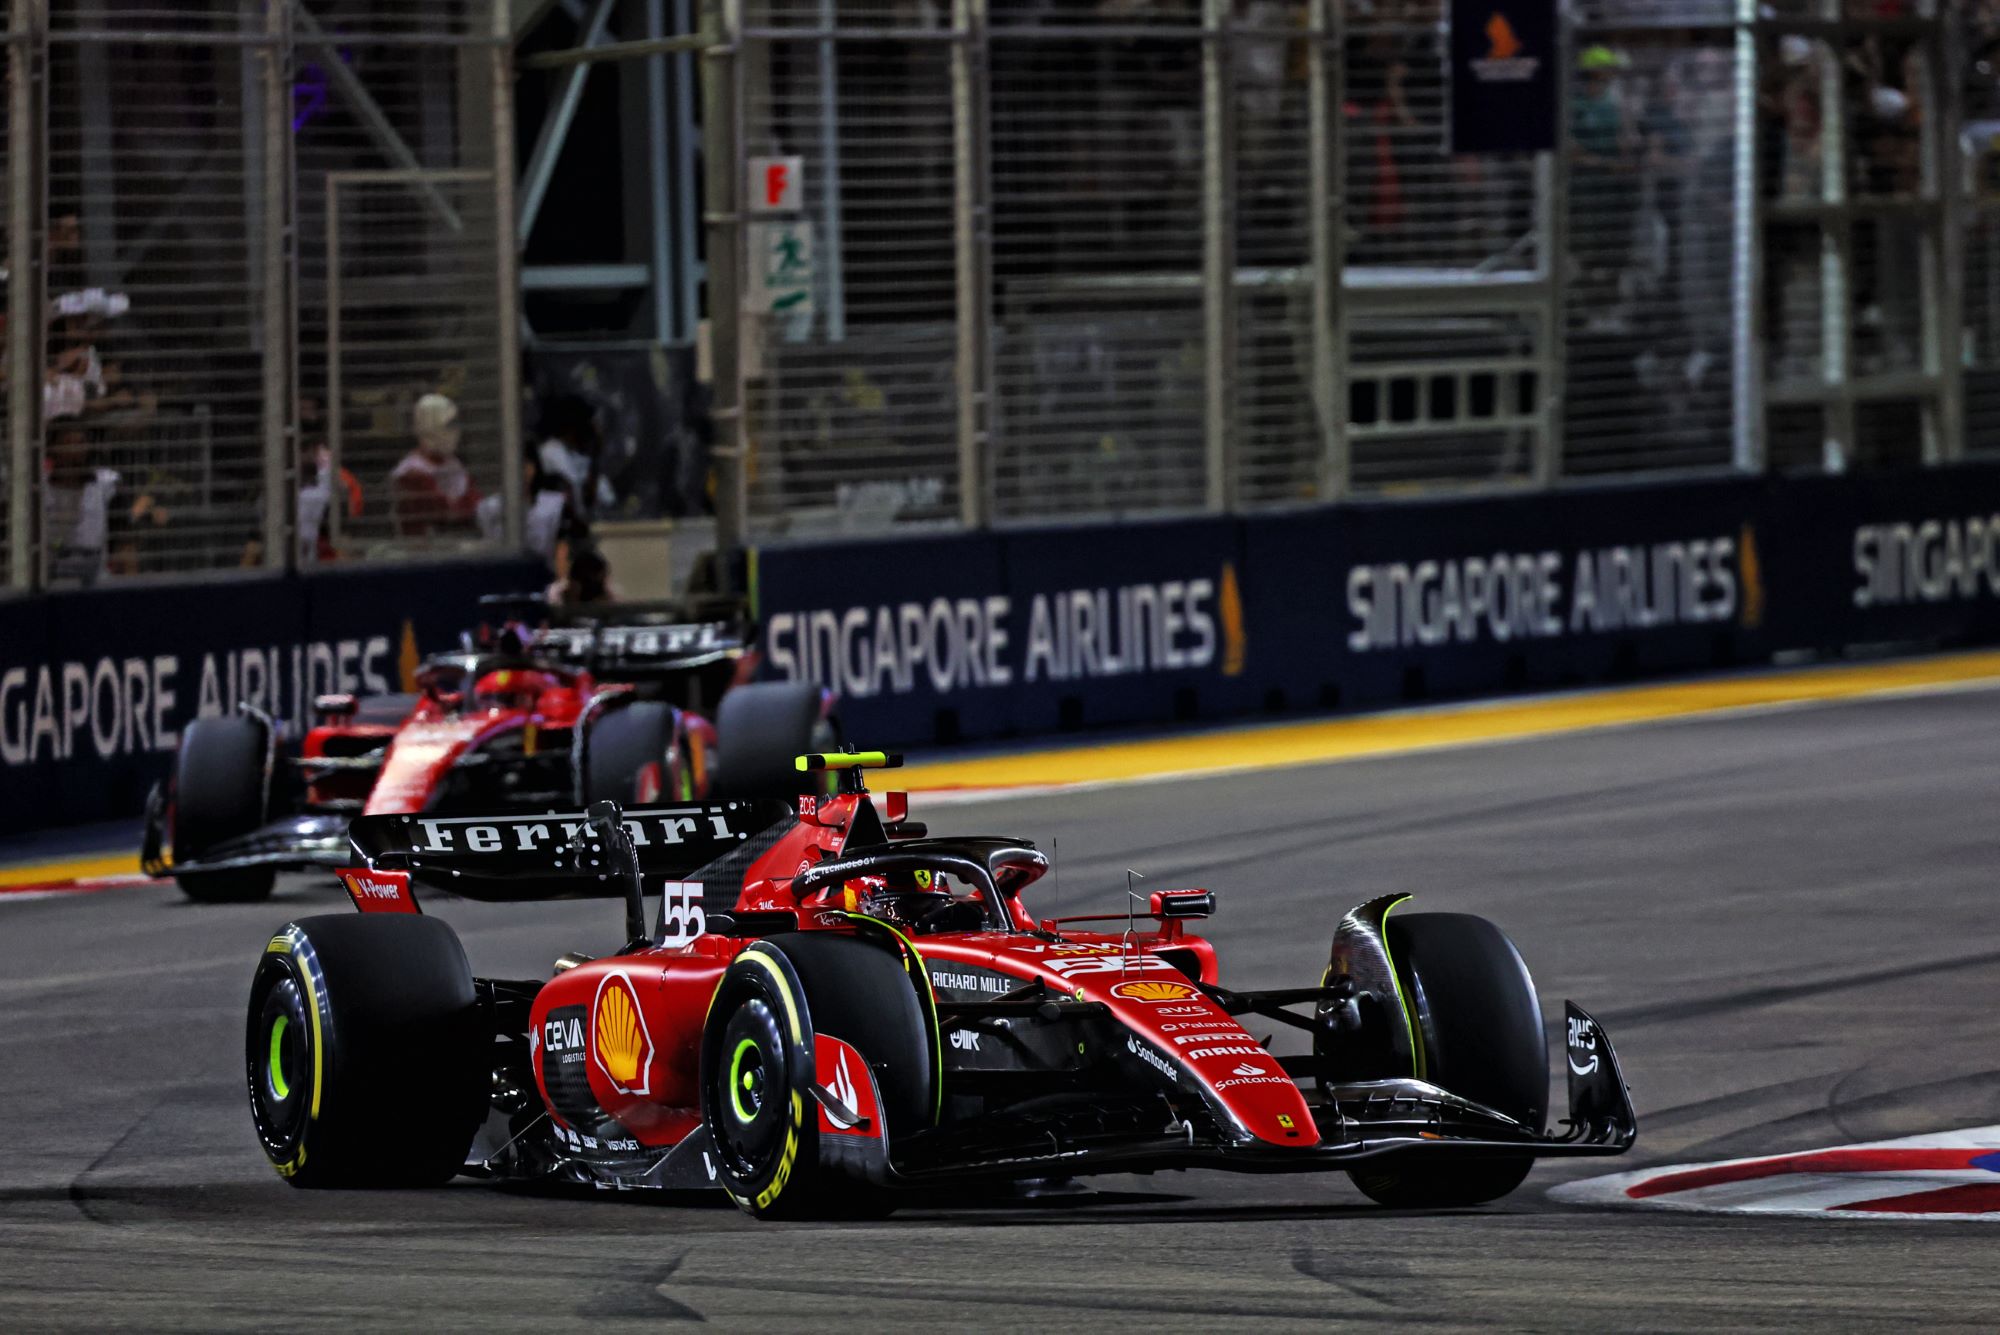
(1358,1120)
(289,842)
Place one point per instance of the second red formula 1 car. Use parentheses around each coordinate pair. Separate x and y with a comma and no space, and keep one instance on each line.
(530,719)
(831,1007)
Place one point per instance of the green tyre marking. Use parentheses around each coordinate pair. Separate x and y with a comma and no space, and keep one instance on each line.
(739,1081)
(274,1067)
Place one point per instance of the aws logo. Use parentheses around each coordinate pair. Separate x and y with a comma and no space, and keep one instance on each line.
(1506,59)
(618,1037)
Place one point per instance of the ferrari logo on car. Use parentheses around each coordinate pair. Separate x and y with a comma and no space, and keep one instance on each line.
(618,1036)
(1154,991)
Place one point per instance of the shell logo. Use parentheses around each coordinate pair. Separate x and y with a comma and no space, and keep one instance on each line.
(1154,991)
(618,1037)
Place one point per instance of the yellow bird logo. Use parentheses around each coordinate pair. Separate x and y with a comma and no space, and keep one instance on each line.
(1235,643)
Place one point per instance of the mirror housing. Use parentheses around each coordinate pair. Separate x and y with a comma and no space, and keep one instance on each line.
(1169,904)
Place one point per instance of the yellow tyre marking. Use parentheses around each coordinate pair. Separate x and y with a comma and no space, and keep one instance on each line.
(319,1044)
(770,966)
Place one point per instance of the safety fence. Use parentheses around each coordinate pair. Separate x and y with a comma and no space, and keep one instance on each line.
(1029,631)
(260,267)
(1000,261)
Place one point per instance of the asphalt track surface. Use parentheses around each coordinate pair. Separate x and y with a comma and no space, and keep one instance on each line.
(1786,921)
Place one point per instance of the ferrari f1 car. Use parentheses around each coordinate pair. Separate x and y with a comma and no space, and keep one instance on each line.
(530,720)
(830,1008)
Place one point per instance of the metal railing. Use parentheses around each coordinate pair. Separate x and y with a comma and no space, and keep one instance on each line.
(195,328)
(981,262)
(1040,262)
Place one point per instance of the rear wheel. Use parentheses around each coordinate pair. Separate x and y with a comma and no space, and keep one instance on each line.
(219,795)
(625,754)
(1480,1026)
(761,730)
(366,1052)
(757,1070)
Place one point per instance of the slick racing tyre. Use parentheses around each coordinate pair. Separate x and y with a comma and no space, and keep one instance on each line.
(1480,1025)
(367,1052)
(761,729)
(625,755)
(219,778)
(757,1070)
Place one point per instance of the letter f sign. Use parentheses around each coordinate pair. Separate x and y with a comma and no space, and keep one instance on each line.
(777,180)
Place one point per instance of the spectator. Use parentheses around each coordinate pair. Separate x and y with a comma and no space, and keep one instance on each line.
(1604,196)
(572,448)
(79,381)
(1387,142)
(552,515)
(320,489)
(583,576)
(90,534)
(76,507)
(430,493)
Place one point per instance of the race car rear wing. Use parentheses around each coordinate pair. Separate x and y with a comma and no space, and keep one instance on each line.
(636,640)
(634,649)
(601,853)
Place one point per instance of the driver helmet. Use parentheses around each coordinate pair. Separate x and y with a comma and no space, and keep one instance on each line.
(514,688)
(903,898)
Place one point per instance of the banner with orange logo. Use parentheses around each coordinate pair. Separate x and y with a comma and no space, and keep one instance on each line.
(1504,76)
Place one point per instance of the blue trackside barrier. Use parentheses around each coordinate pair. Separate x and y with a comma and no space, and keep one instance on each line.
(95,685)
(1373,603)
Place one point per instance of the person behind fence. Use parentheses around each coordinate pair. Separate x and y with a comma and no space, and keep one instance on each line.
(1604,194)
(430,492)
(79,381)
(552,515)
(583,576)
(321,488)
(573,448)
(78,507)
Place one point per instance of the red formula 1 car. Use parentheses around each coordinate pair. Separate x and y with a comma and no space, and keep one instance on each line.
(833,1007)
(529,720)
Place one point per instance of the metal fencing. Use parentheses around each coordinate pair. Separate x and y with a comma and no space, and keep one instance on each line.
(980,262)
(1034,260)
(245,241)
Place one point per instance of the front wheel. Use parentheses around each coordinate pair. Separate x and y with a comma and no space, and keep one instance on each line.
(219,795)
(778,1002)
(367,1052)
(1479,1028)
(756,1087)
